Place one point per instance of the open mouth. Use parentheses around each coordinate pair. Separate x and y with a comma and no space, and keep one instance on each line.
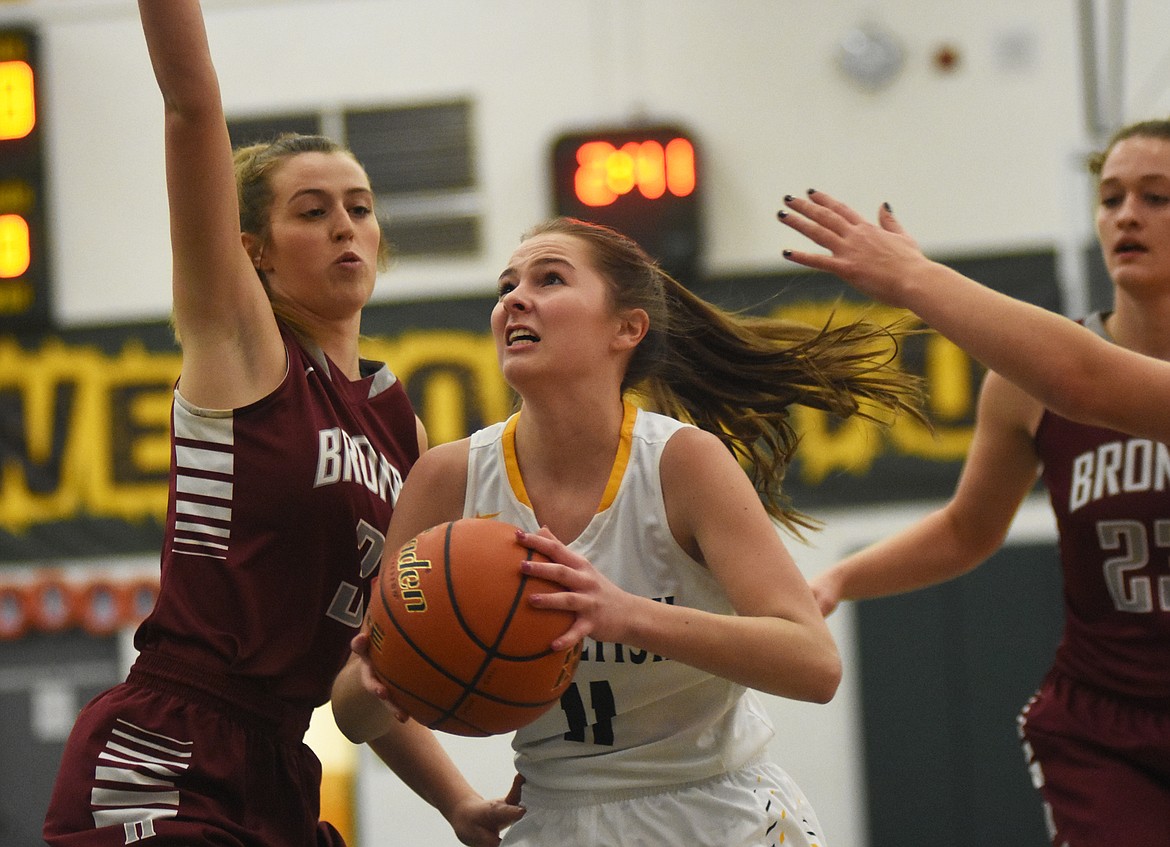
(521,335)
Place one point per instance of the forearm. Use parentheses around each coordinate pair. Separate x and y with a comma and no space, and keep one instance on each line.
(408,748)
(1066,367)
(775,655)
(177,42)
(929,553)
(1046,354)
(415,755)
(217,296)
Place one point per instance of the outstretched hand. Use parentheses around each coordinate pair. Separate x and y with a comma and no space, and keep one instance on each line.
(878,260)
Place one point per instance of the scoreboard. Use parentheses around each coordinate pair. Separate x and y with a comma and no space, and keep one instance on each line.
(641,181)
(24,278)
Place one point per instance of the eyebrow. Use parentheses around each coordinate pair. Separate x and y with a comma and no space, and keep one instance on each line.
(539,263)
(321,192)
(1157,176)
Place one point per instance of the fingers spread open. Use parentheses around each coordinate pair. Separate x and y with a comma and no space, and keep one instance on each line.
(829,203)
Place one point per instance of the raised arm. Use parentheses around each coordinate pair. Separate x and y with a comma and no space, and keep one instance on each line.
(232,352)
(999,471)
(1065,366)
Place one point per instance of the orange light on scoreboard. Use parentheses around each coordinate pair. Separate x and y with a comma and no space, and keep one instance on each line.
(606,172)
(24,246)
(18,111)
(15,250)
(641,181)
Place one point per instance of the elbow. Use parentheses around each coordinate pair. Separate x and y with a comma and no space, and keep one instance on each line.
(352,713)
(351,736)
(361,717)
(191,112)
(1086,405)
(1074,390)
(826,680)
(345,722)
(815,681)
(361,725)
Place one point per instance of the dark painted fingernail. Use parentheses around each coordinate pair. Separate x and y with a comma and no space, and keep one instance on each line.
(782,214)
(887,208)
(787,254)
(788,198)
(811,192)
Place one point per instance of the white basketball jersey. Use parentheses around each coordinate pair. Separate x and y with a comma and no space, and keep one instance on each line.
(629,720)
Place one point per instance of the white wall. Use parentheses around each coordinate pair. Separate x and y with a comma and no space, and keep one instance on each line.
(978,159)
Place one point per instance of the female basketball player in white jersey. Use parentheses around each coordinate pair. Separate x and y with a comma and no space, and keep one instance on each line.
(1097,733)
(682,588)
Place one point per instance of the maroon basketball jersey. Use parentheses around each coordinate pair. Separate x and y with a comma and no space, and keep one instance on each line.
(1111,495)
(276,522)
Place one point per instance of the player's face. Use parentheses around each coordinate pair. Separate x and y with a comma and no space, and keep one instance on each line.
(1133,212)
(555,313)
(321,257)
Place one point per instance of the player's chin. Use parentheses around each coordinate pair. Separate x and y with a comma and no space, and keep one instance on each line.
(519,369)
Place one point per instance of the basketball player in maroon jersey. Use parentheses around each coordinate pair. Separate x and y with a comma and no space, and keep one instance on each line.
(1097,733)
(288,453)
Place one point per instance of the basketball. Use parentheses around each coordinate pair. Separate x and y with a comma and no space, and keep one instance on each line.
(453,636)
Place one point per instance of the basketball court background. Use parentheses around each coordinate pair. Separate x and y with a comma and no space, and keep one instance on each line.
(977,138)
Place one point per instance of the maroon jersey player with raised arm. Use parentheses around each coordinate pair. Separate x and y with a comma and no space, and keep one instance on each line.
(288,453)
(1097,733)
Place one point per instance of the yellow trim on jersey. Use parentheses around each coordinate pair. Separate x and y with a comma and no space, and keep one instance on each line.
(511,465)
(620,461)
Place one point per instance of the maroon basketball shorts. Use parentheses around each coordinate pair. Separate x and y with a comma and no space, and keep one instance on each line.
(1101,764)
(174,757)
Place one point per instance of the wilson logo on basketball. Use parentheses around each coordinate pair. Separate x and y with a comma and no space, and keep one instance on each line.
(410,578)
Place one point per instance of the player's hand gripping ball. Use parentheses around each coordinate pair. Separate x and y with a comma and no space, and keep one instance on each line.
(454,637)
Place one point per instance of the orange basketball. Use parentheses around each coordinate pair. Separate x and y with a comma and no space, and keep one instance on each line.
(453,635)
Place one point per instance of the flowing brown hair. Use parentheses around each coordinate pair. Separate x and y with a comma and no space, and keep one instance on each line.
(736,375)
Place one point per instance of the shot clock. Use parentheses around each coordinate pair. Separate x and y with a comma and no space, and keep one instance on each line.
(642,181)
(24,281)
